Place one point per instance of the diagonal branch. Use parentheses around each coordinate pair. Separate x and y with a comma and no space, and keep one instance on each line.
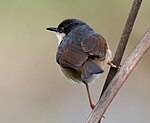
(119,79)
(119,53)
(123,41)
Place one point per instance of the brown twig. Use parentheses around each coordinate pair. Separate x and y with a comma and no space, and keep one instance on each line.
(123,41)
(120,78)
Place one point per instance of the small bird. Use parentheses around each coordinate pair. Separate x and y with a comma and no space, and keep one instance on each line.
(82,53)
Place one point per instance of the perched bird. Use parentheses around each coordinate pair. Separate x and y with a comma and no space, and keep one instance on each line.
(82,53)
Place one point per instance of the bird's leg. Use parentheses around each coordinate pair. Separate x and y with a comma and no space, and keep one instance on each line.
(89,96)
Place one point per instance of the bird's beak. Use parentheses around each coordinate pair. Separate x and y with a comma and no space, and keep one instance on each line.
(54,29)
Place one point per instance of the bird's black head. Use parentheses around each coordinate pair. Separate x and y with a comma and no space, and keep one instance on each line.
(67,25)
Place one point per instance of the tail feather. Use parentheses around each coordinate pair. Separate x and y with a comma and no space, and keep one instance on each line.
(89,68)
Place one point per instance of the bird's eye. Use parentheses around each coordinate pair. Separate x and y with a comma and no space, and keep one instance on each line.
(62,29)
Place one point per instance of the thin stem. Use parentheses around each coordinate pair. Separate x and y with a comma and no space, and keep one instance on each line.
(123,41)
(119,79)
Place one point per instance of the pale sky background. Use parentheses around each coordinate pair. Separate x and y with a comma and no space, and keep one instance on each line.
(32,89)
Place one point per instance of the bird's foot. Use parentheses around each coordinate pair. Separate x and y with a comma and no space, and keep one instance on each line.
(110,63)
(92,106)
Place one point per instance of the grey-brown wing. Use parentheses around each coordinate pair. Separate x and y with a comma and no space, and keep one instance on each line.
(72,56)
(95,45)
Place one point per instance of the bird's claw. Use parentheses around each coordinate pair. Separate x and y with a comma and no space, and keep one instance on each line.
(114,66)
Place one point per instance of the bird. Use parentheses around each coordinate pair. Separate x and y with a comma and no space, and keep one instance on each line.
(82,53)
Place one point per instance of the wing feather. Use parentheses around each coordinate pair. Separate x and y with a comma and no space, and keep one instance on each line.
(73,56)
(95,45)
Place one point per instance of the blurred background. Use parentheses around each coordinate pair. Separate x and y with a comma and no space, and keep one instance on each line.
(32,89)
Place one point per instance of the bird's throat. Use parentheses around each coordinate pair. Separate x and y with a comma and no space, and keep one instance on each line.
(60,37)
